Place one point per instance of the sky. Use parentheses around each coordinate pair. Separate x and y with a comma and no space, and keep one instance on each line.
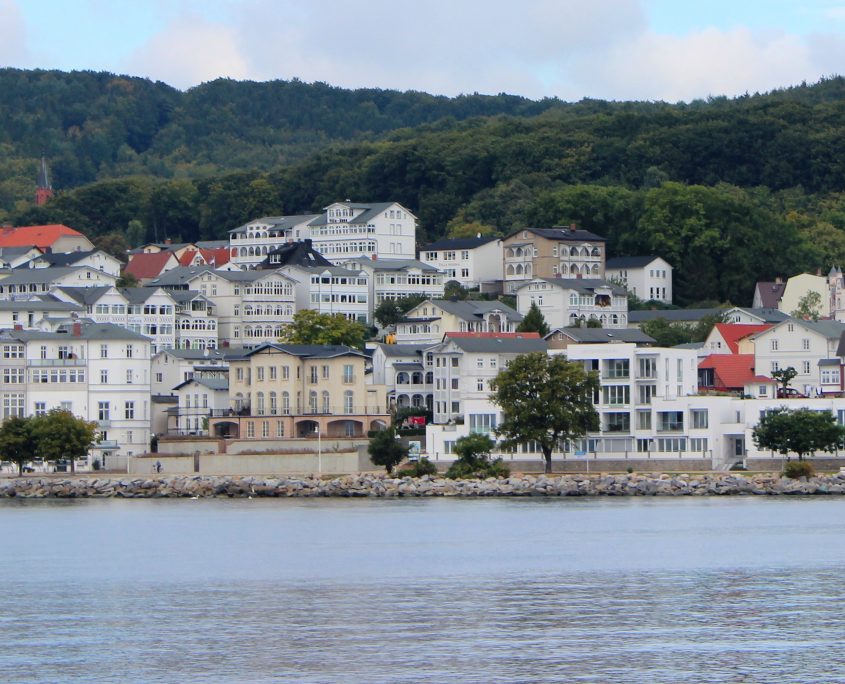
(671,50)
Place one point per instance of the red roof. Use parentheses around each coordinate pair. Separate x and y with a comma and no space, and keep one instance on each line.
(40,236)
(503,335)
(731,371)
(218,256)
(732,333)
(147,264)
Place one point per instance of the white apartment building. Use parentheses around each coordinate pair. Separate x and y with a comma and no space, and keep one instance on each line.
(25,282)
(430,320)
(250,243)
(99,372)
(647,277)
(565,302)
(201,398)
(407,371)
(94,258)
(331,290)
(395,279)
(346,230)
(34,312)
(469,261)
(196,320)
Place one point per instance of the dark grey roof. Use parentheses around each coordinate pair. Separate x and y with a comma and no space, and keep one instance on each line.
(672,314)
(583,285)
(504,345)
(396,350)
(164,399)
(198,354)
(458,243)
(562,233)
(300,253)
(88,331)
(85,295)
(212,244)
(12,252)
(279,222)
(39,305)
(139,295)
(832,330)
(216,384)
(182,275)
(629,262)
(840,350)
(598,335)
(473,309)
(27,276)
(830,362)
(324,351)
(409,366)
(63,259)
(767,314)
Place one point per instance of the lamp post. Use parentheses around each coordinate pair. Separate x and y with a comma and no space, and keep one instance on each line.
(319,450)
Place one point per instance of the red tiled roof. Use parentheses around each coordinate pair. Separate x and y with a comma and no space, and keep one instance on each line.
(732,371)
(147,264)
(217,256)
(504,335)
(40,236)
(732,333)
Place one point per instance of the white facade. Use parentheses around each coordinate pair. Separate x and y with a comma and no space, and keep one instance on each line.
(97,372)
(23,283)
(470,261)
(331,290)
(250,243)
(346,230)
(393,279)
(407,372)
(565,302)
(648,278)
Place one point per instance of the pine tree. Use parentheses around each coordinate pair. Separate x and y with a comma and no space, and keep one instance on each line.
(534,322)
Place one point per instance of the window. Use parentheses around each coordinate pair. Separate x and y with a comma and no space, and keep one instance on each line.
(103,410)
(40,408)
(128,351)
(15,351)
(239,374)
(482,423)
(698,444)
(285,372)
(456,407)
(313,378)
(479,362)
(128,376)
(13,376)
(616,394)
(455,383)
(13,405)
(64,351)
(348,401)
(616,368)
(618,422)
(129,410)
(348,374)
(699,419)
(259,373)
(805,344)
(104,377)
(670,421)
(805,367)
(479,385)
(774,345)
(250,429)
(325,372)
(644,420)
(646,392)
(273,371)
(326,402)
(66,406)
(280,428)
(104,351)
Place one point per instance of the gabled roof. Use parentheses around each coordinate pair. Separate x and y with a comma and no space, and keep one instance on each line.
(562,233)
(765,314)
(278,222)
(46,305)
(67,258)
(840,350)
(507,343)
(85,295)
(215,384)
(323,351)
(474,309)
(582,285)
(629,262)
(299,253)
(392,264)
(770,293)
(458,243)
(217,256)
(40,236)
(830,330)
(732,333)
(369,212)
(732,371)
(88,331)
(33,276)
(139,295)
(399,350)
(198,354)
(603,335)
(146,265)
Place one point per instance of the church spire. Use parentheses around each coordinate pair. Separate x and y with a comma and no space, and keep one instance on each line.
(44,191)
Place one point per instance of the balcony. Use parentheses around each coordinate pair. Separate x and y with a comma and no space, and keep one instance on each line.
(57,362)
(106,444)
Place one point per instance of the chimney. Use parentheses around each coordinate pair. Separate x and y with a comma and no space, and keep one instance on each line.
(77,330)
(778,280)
(18,326)
(168,241)
(572,227)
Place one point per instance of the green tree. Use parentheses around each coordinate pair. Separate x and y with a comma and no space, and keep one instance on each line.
(126,280)
(136,234)
(386,450)
(546,399)
(392,311)
(784,376)
(470,230)
(474,459)
(534,321)
(800,431)
(454,290)
(809,307)
(60,434)
(16,441)
(667,334)
(113,243)
(311,327)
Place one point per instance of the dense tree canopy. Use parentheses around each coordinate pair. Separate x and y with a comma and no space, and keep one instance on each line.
(312,327)
(800,431)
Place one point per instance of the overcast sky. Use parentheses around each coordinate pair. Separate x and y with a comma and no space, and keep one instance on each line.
(613,49)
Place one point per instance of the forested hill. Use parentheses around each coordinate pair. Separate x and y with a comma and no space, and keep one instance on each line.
(728,190)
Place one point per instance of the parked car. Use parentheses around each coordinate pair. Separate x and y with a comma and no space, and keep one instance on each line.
(790,393)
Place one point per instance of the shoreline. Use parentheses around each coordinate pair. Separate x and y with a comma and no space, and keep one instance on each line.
(384,486)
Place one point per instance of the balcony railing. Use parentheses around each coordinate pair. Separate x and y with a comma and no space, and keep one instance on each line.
(354,410)
(57,362)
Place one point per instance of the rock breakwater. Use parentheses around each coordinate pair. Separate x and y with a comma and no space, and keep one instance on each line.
(381,486)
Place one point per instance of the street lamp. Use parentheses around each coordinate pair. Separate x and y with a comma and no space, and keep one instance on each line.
(319,450)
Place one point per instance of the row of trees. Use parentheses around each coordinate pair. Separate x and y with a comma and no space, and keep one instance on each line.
(52,436)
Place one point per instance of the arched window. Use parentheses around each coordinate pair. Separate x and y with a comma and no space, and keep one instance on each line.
(510,270)
(286,403)
(595,269)
(573,251)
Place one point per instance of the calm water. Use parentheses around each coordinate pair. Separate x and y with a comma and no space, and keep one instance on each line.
(605,590)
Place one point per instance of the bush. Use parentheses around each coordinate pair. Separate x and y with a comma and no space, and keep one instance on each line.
(798,469)
(418,469)
(739,465)
(480,469)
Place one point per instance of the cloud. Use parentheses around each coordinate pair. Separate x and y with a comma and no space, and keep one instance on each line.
(189,51)
(13,45)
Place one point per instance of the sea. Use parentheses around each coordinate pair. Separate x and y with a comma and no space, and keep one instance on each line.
(721,589)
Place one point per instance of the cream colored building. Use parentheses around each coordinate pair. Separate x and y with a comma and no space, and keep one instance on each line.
(279,391)
(799,286)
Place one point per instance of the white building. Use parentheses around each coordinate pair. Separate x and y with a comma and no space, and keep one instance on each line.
(565,302)
(647,277)
(93,258)
(331,290)
(99,372)
(469,261)
(407,372)
(250,243)
(25,282)
(346,230)
(428,321)
(201,398)
(395,279)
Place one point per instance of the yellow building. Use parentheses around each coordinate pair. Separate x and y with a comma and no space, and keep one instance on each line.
(279,391)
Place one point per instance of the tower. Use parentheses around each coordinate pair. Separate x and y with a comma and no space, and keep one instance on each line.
(44,191)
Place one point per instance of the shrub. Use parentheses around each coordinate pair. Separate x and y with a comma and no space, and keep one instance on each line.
(479,469)
(798,469)
(739,465)
(418,469)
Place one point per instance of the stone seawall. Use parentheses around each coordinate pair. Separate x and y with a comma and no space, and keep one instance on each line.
(384,486)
